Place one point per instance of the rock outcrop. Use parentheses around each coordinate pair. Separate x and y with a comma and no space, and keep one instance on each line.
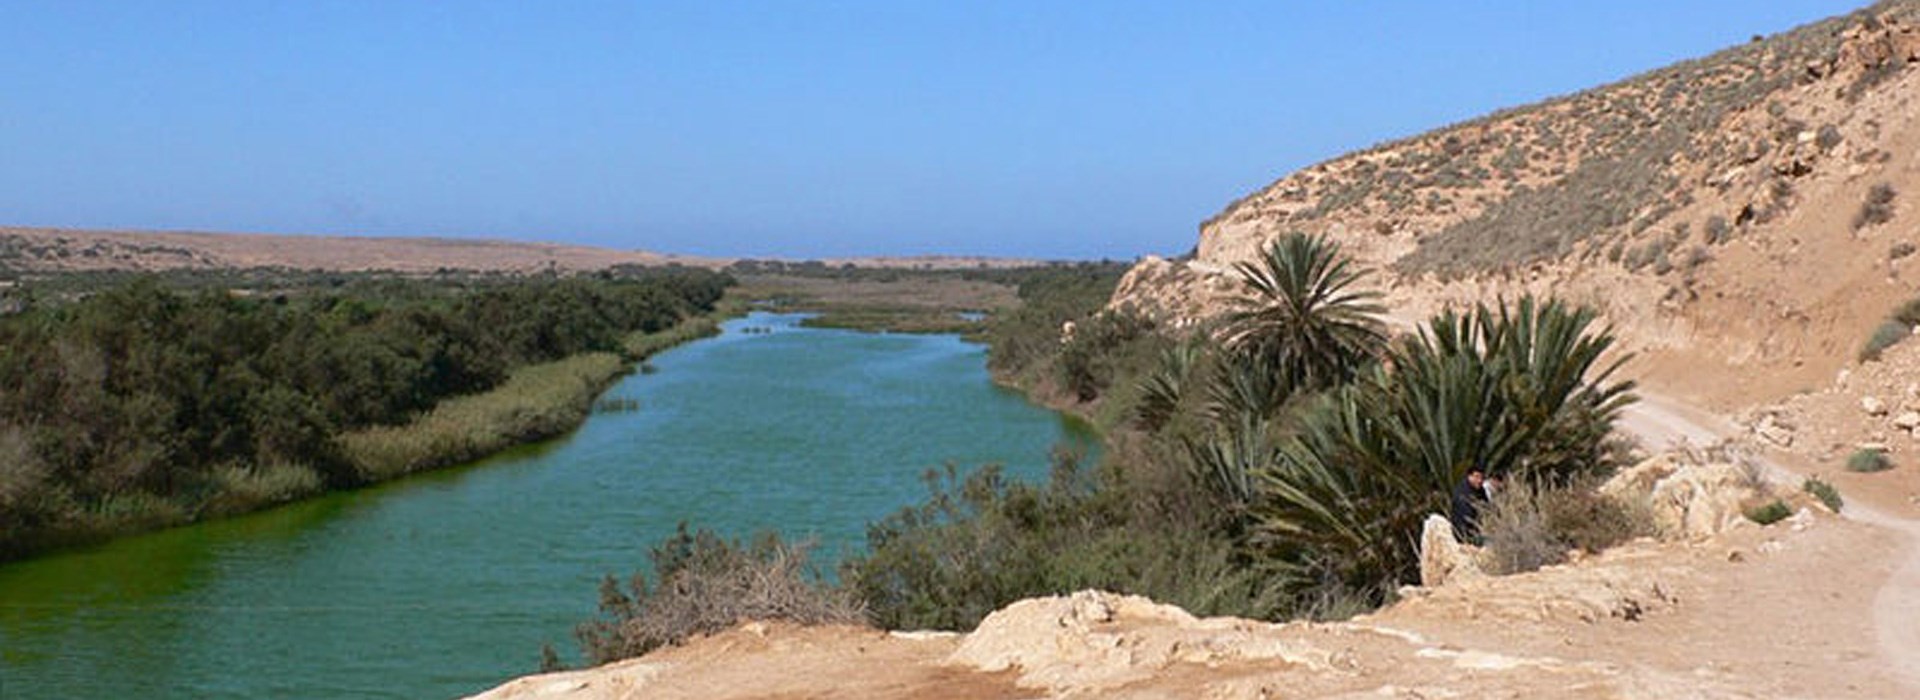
(1443,558)
(1093,643)
(1690,498)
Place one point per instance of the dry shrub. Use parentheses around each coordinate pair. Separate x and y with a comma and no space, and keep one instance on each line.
(1877,209)
(707,584)
(1528,526)
(1519,536)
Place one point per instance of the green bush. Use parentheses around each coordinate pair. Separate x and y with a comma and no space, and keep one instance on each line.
(1898,327)
(1771,512)
(1886,335)
(1091,357)
(1025,342)
(981,541)
(1520,391)
(1825,492)
(1868,460)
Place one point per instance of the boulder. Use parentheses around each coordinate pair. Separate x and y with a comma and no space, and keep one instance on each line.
(1442,557)
(1872,406)
(1092,642)
(1778,436)
(1637,481)
(1699,501)
(1907,421)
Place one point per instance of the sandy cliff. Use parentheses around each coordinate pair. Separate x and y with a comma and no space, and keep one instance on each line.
(1714,210)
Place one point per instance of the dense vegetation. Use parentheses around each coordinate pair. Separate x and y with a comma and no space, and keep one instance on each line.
(1281,472)
(1277,465)
(137,404)
(898,300)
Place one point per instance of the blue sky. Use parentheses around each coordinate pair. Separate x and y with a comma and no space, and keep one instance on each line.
(800,129)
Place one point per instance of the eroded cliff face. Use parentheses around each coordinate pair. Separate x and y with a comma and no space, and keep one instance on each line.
(1730,213)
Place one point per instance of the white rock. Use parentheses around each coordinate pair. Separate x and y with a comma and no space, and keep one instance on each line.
(1638,480)
(1780,437)
(1442,557)
(1872,406)
(1700,501)
(1907,421)
(1801,520)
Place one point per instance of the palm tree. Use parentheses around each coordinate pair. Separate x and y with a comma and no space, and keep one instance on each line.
(1524,389)
(1303,317)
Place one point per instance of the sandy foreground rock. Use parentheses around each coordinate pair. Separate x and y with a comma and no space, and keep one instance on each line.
(1785,611)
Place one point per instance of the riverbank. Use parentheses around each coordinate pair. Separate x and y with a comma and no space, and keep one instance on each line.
(536,402)
(888,301)
(459,576)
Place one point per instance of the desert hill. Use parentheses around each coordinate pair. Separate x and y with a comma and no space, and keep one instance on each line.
(45,250)
(1744,219)
(26,251)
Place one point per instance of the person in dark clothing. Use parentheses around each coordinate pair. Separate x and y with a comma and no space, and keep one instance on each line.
(1468,498)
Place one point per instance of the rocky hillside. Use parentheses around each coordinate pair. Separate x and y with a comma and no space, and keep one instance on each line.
(1748,215)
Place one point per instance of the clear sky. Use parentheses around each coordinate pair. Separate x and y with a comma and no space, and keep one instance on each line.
(1098,128)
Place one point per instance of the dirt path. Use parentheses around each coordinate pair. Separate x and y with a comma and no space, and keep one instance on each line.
(1661,422)
(1896,607)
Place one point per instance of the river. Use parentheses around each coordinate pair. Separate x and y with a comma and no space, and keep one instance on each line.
(448,583)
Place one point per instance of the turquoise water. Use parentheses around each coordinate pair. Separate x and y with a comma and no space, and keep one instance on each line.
(448,583)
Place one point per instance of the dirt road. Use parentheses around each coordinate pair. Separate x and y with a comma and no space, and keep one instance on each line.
(1663,422)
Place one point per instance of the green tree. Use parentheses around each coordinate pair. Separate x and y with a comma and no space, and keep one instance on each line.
(1304,317)
(1521,390)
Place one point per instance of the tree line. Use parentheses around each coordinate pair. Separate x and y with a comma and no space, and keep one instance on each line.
(141,402)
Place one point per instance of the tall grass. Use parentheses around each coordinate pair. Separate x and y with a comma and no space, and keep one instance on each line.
(536,402)
(241,489)
(641,345)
